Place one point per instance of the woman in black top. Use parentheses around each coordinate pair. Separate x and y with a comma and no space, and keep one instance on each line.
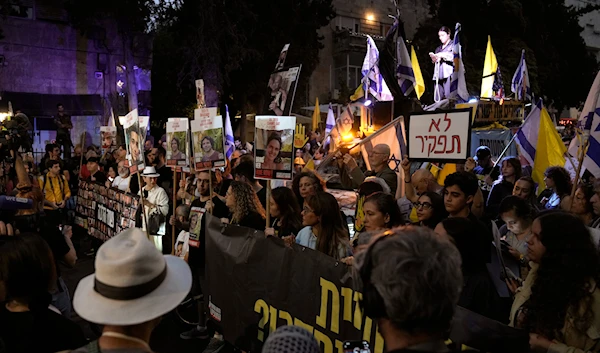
(27,274)
(246,210)
(286,213)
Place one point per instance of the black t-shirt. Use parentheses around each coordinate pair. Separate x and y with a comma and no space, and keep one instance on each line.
(485,238)
(165,180)
(196,255)
(253,220)
(39,332)
(286,230)
(57,243)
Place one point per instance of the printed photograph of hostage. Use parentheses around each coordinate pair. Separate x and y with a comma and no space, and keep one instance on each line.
(274,153)
(134,141)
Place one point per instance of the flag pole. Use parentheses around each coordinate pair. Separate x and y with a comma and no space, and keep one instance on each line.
(582,152)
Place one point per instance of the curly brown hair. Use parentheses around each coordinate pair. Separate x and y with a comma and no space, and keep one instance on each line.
(246,201)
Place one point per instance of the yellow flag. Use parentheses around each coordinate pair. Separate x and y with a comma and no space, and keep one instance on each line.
(309,166)
(448,169)
(550,150)
(358,93)
(420,84)
(490,66)
(316,118)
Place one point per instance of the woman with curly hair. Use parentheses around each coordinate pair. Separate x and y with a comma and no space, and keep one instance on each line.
(176,153)
(306,184)
(558,180)
(559,302)
(245,208)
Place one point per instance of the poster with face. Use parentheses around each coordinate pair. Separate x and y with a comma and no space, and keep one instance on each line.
(282,56)
(282,88)
(177,142)
(108,135)
(207,136)
(274,144)
(196,214)
(134,140)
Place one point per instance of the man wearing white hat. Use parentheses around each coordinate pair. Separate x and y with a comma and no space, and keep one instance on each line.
(133,286)
(156,202)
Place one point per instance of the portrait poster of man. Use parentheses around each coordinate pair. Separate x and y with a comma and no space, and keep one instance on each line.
(207,137)
(134,140)
(274,147)
(196,214)
(108,135)
(282,89)
(177,142)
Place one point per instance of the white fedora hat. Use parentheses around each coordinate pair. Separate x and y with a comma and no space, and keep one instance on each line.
(133,283)
(150,172)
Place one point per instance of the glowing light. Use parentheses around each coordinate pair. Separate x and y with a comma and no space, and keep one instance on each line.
(528,105)
(3,116)
(501,101)
(368,102)
(120,84)
(370,17)
(347,137)
(473,100)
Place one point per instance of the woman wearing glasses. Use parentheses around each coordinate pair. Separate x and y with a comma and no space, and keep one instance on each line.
(430,209)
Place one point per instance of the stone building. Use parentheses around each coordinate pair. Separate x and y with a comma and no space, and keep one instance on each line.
(340,61)
(44,61)
(590,23)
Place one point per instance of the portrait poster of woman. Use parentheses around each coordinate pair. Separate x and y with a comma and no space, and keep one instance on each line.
(196,214)
(177,142)
(274,147)
(207,137)
(108,136)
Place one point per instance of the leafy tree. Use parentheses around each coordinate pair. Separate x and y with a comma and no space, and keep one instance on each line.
(559,64)
(233,45)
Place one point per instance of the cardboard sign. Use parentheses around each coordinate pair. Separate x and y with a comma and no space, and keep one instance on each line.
(274,147)
(440,137)
(177,142)
(207,136)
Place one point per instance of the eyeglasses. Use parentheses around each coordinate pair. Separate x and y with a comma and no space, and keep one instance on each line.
(425,205)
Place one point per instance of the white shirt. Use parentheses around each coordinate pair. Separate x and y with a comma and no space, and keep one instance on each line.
(121,183)
(158,196)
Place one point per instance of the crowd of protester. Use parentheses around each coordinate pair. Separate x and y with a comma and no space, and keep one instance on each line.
(415,257)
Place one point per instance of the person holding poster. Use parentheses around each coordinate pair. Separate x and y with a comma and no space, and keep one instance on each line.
(207,133)
(274,147)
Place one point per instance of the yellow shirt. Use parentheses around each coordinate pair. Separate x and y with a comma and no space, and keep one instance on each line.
(56,189)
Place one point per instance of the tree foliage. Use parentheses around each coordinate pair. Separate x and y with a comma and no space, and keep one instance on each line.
(233,45)
(560,66)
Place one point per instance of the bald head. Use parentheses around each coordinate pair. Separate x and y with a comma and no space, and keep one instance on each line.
(422,180)
(382,149)
(379,156)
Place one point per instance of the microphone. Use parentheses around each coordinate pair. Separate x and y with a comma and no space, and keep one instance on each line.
(15,203)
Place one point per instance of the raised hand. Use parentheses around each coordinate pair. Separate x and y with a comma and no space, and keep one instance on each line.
(300,138)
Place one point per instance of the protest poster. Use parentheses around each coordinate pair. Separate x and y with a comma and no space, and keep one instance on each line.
(496,140)
(177,142)
(196,214)
(200,100)
(282,89)
(298,286)
(273,150)
(103,211)
(439,137)
(108,135)
(207,137)
(282,56)
(134,140)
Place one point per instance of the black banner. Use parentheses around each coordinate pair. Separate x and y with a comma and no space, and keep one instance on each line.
(256,284)
(104,211)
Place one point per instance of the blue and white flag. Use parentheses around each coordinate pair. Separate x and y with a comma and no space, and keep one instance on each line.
(521,86)
(229,141)
(458,85)
(330,123)
(404,71)
(373,82)
(589,121)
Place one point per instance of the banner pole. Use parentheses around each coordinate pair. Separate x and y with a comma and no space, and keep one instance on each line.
(210,176)
(81,158)
(143,205)
(268,210)
(582,153)
(175,187)
(504,150)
